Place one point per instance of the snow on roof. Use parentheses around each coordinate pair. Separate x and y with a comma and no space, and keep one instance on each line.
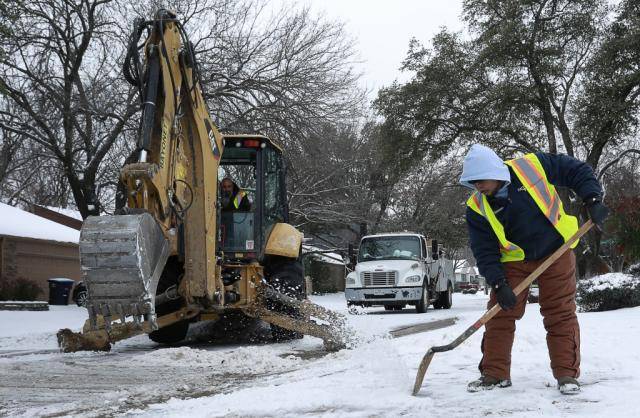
(330,258)
(467,270)
(464,267)
(393,234)
(72,213)
(19,223)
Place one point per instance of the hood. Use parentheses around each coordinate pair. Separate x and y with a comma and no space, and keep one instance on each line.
(236,189)
(387,265)
(481,163)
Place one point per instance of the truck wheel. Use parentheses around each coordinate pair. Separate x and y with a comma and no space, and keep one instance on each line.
(287,277)
(80,298)
(445,298)
(423,303)
(352,308)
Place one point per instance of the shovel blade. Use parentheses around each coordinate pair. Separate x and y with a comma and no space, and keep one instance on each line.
(422,370)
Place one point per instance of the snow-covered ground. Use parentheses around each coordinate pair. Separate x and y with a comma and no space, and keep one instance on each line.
(374,379)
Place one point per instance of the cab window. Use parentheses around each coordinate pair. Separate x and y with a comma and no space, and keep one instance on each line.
(274,197)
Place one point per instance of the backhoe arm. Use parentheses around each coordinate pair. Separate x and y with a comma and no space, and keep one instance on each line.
(170,187)
(155,264)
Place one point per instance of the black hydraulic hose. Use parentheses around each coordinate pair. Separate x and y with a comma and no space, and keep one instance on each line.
(132,68)
(148,84)
(149,104)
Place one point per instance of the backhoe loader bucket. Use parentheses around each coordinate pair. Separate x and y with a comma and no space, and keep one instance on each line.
(122,258)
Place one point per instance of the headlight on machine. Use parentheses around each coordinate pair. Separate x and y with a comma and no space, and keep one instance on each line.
(413,279)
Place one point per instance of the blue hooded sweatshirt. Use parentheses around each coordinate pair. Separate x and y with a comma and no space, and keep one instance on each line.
(524,223)
(481,163)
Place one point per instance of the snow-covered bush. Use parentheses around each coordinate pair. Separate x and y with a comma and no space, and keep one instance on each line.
(608,292)
(18,289)
(634,270)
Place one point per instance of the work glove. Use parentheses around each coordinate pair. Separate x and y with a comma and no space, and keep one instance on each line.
(504,294)
(597,211)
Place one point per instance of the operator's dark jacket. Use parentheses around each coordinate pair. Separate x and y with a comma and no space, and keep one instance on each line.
(245,204)
(524,223)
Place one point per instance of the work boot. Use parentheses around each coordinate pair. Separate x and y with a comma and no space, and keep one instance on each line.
(568,385)
(487,383)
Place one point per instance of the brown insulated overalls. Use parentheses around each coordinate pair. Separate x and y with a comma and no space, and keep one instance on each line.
(558,308)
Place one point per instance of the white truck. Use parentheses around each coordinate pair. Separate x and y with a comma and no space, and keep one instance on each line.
(399,269)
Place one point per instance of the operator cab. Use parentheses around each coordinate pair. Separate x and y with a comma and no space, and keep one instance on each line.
(255,165)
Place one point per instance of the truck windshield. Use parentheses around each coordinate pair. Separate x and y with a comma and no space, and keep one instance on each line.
(389,248)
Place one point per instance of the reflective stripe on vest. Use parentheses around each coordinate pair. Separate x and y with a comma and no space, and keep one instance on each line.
(239,196)
(532,176)
(508,250)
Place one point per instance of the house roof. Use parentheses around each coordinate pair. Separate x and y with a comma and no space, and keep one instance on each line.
(19,223)
(72,213)
(464,268)
(329,257)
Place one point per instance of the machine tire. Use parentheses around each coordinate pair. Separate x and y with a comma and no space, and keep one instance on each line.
(445,298)
(172,334)
(423,303)
(287,277)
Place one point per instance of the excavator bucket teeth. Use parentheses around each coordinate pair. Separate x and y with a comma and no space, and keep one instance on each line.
(122,257)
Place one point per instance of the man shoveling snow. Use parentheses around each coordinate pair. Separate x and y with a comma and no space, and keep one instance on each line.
(516,220)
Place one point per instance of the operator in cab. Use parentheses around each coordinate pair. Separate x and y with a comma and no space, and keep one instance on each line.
(232,197)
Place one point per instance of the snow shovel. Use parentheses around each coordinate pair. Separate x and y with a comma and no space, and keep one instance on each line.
(424,364)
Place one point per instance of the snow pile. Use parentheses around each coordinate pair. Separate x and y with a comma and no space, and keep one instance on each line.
(19,223)
(368,381)
(241,360)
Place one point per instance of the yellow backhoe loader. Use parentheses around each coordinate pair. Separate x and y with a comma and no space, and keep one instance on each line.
(174,253)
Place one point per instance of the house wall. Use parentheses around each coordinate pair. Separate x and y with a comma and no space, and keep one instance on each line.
(38,260)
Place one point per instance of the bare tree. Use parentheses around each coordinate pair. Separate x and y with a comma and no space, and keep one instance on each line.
(284,74)
(60,70)
(327,180)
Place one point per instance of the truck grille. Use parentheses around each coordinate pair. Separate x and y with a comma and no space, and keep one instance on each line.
(379,278)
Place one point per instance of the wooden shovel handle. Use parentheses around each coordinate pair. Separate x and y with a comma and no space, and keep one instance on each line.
(537,272)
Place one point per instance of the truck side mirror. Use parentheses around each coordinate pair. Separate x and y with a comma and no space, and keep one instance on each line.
(434,249)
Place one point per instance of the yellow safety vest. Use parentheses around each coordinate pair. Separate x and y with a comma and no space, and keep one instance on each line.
(532,176)
(239,196)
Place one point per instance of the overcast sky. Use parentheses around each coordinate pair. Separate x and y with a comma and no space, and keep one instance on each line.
(383,28)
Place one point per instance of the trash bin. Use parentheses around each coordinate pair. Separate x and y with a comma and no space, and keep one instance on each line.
(59,290)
